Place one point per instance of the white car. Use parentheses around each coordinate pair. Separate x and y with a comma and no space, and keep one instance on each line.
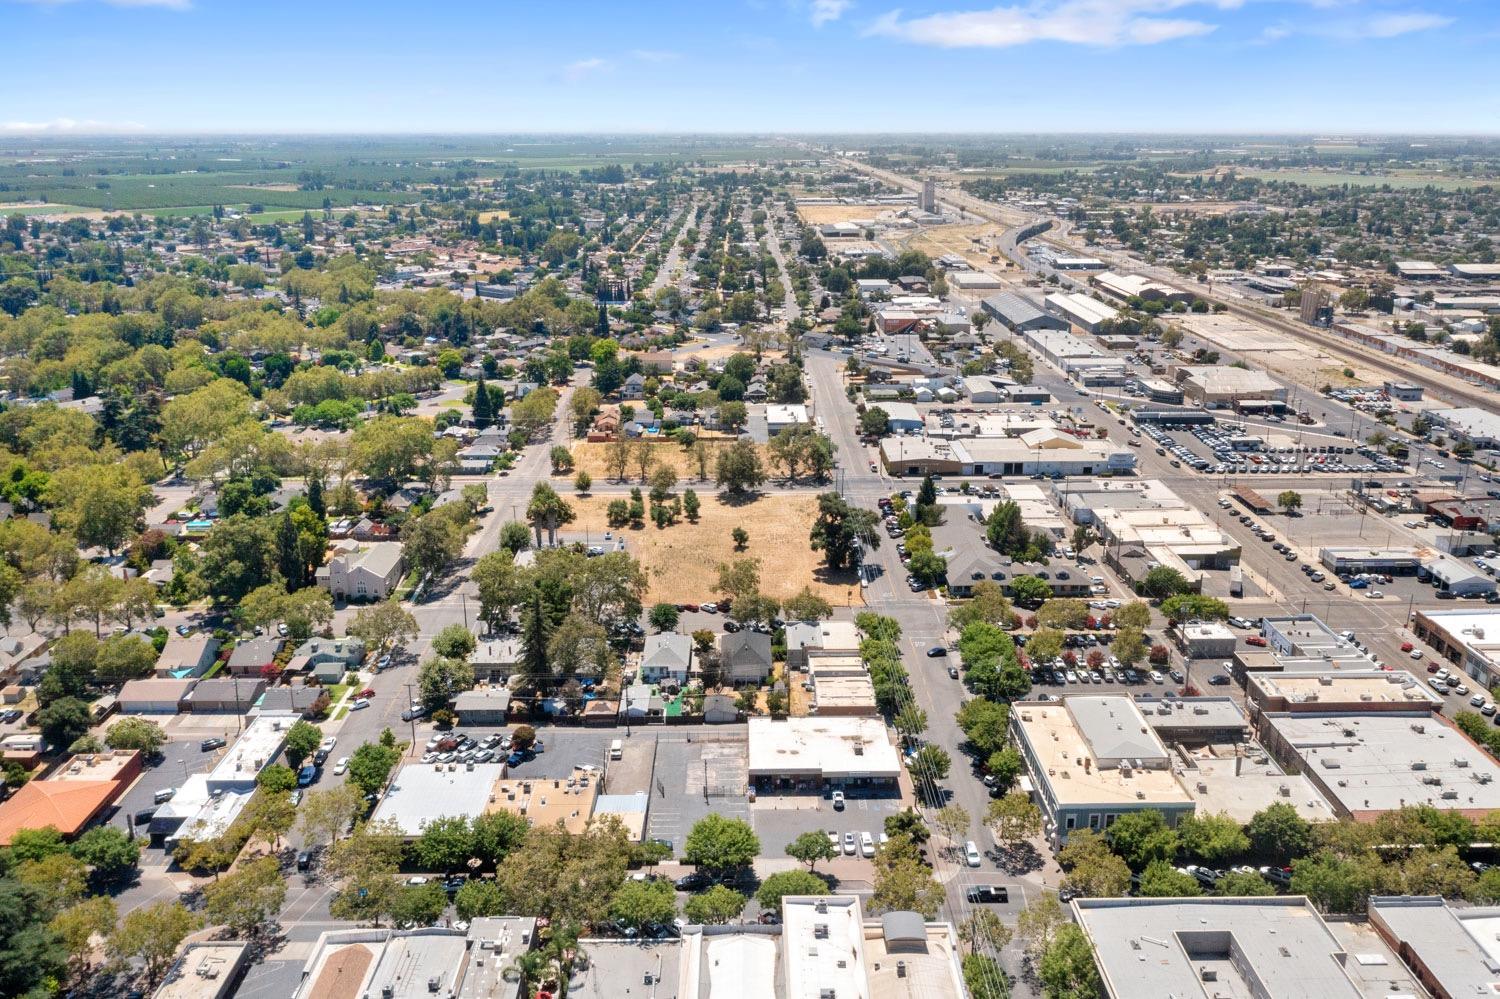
(971,854)
(838,799)
(1373,594)
(833,840)
(849,845)
(1416,653)
(1156,677)
(341,767)
(328,744)
(866,845)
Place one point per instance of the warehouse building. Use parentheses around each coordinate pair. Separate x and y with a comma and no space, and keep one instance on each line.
(1479,427)
(1081,310)
(1213,385)
(1469,639)
(1019,315)
(1451,951)
(1127,286)
(1450,575)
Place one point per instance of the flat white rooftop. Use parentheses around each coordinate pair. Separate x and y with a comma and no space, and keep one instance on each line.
(832,747)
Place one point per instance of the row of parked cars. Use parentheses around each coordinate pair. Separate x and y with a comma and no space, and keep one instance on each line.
(457,747)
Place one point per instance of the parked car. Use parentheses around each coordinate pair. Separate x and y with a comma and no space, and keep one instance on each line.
(838,799)
(208,745)
(971,854)
(850,847)
(989,894)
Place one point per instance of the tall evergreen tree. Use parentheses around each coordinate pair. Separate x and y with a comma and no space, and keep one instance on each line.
(315,498)
(535,635)
(288,558)
(484,410)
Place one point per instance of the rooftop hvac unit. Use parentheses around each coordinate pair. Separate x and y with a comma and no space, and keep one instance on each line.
(826,994)
(820,931)
(434,983)
(1284,790)
(1325,680)
(1418,765)
(1461,764)
(1418,727)
(1450,795)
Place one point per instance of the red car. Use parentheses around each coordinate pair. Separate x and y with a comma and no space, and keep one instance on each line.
(1407,646)
(367,693)
(1255,640)
(1432,667)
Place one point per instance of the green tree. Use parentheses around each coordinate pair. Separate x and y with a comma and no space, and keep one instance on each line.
(840,530)
(717,843)
(783,883)
(152,933)
(1013,818)
(124,657)
(371,764)
(1289,500)
(1092,870)
(1163,582)
(109,852)
(381,625)
(302,740)
(663,617)
(984,724)
(639,903)
(1212,837)
(1279,834)
(1136,614)
(1193,607)
(78,925)
(454,642)
(277,778)
(805,605)
(738,468)
(714,907)
(1029,591)
(136,733)
(1129,646)
(419,905)
(1067,967)
(63,721)
(1143,836)
(1161,880)
(811,847)
(479,898)
(248,898)
(440,680)
(903,882)
(1243,883)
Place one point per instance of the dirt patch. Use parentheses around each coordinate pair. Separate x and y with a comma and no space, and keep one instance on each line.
(681,561)
(958,239)
(829,214)
(283,188)
(494,216)
(594,459)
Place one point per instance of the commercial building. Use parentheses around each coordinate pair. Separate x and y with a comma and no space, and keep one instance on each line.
(1459,578)
(1081,310)
(1038,453)
(974,281)
(1387,561)
(195,812)
(1454,953)
(1275,947)
(1370,763)
(818,754)
(830,950)
(1207,640)
(391,964)
(841,685)
(1143,524)
(424,792)
(807,639)
(363,572)
(903,416)
(1019,314)
(255,749)
(1338,690)
(1091,759)
(1221,385)
(70,797)
(778,417)
(207,970)
(1197,721)
(1469,639)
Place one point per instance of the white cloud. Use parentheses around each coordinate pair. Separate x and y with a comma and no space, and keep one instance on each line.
(1074,22)
(1392,25)
(70,125)
(575,71)
(654,55)
(822,11)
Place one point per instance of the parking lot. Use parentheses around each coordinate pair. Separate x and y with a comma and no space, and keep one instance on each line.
(695,774)
(1211,449)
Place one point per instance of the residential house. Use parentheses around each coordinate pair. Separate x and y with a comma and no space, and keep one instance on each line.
(746,656)
(643,703)
(488,705)
(327,659)
(495,661)
(187,655)
(230,695)
(633,387)
(288,700)
(667,657)
(155,695)
(363,572)
(720,709)
(250,658)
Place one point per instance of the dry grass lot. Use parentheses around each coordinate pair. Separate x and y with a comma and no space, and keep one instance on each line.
(681,561)
(829,214)
(594,459)
(956,239)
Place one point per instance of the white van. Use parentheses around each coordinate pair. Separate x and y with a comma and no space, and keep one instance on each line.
(616,749)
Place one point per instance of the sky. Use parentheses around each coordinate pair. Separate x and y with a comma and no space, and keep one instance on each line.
(781,66)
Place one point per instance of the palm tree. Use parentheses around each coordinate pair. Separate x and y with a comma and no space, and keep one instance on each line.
(547,510)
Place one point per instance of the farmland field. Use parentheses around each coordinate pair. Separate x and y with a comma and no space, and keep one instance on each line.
(1398,181)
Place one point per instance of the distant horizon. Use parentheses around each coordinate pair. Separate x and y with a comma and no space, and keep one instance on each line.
(212,67)
(584,133)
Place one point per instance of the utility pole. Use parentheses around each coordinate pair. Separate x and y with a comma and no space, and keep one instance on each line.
(412,715)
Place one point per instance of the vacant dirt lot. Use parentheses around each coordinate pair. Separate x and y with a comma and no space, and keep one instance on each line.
(594,459)
(681,561)
(829,214)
